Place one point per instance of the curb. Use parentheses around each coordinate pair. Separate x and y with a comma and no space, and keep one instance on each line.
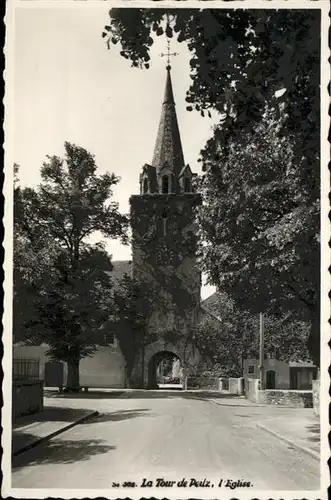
(48,437)
(290,441)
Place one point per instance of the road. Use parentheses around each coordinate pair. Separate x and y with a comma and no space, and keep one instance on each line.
(171,435)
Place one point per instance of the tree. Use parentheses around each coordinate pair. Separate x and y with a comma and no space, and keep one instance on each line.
(66,277)
(262,228)
(227,335)
(244,62)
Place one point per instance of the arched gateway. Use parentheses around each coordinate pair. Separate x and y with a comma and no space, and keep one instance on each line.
(164,246)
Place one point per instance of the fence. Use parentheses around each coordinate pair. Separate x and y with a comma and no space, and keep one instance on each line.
(26,369)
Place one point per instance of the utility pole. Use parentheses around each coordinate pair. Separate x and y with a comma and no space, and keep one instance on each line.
(261,367)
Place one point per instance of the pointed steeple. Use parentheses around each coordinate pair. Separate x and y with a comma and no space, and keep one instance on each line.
(168,152)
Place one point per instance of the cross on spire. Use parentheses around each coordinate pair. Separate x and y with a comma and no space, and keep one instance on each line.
(168,54)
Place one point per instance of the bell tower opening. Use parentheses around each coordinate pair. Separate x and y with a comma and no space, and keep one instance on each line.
(164,220)
(165,184)
(187,185)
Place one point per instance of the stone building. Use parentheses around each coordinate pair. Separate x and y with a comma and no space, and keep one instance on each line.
(164,246)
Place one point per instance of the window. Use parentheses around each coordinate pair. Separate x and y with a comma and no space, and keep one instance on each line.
(109,338)
(165,184)
(164,218)
(251,369)
(145,186)
(187,185)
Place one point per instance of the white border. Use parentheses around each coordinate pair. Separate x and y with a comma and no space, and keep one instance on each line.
(322,5)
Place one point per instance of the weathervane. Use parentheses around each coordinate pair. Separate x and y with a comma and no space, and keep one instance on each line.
(168,54)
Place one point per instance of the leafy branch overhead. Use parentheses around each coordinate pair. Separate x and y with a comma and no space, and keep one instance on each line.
(239,59)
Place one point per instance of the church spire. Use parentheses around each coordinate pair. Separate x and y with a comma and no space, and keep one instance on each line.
(168,152)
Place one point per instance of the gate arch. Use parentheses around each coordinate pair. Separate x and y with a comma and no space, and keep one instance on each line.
(155,362)
(154,352)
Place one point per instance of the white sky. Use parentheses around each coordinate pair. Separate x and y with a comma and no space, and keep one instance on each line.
(69,87)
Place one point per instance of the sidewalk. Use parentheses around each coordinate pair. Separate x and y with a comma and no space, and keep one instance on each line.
(301,431)
(30,430)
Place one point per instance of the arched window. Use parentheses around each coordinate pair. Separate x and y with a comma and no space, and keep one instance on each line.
(172,187)
(145,185)
(187,185)
(165,184)
(164,220)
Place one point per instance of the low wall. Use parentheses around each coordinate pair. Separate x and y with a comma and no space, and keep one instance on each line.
(294,399)
(236,385)
(203,383)
(252,389)
(224,384)
(279,397)
(27,397)
(316,396)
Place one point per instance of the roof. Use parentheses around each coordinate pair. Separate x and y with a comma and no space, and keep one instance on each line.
(211,303)
(187,167)
(301,364)
(168,146)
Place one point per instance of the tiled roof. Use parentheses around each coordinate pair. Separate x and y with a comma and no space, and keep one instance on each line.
(168,147)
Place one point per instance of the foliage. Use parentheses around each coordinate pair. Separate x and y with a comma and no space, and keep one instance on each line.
(225,336)
(244,64)
(261,227)
(134,304)
(62,287)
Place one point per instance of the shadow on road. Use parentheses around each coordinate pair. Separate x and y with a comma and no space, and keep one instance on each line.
(118,416)
(143,394)
(61,452)
(314,432)
(53,414)
(23,437)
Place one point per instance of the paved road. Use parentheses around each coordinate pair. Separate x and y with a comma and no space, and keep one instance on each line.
(170,435)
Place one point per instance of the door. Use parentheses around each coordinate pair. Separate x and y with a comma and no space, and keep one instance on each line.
(54,374)
(270,379)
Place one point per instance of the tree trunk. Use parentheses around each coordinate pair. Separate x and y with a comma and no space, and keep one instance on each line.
(143,366)
(313,343)
(127,377)
(73,376)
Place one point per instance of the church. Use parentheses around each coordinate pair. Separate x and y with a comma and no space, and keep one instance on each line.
(164,259)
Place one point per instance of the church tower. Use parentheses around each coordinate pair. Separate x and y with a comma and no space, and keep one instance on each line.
(164,238)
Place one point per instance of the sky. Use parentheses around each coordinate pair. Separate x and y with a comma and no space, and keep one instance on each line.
(69,87)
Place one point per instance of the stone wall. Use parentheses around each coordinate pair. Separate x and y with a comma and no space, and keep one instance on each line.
(291,398)
(164,246)
(212,383)
(236,385)
(27,397)
(316,396)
